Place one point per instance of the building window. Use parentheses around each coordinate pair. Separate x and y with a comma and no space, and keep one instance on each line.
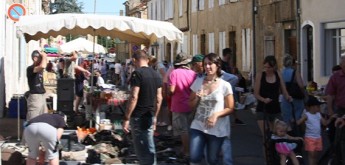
(210,4)
(221,43)
(268,46)
(210,42)
(195,44)
(232,46)
(334,48)
(203,44)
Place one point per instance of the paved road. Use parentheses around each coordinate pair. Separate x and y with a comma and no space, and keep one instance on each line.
(246,141)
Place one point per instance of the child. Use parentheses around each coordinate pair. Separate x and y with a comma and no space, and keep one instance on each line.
(313,119)
(284,148)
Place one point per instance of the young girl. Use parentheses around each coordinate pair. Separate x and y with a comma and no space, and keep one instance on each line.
(284,148)
(313,119)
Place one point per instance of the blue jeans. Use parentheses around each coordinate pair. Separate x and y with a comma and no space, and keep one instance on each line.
(198,141)
(286,109)
(227,152)
(143,142)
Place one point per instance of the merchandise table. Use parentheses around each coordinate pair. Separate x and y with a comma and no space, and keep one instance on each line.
(115,99)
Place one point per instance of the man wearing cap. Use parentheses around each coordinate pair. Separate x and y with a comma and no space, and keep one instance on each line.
(36,101)
(180,80)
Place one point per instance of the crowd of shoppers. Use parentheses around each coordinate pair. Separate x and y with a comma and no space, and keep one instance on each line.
(199,92)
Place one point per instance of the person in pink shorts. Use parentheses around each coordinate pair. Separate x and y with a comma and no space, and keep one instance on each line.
(313,119)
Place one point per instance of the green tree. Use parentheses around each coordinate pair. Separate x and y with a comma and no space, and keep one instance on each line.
(69,6)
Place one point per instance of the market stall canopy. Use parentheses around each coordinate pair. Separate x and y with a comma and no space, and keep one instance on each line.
(131,29)
(81,45)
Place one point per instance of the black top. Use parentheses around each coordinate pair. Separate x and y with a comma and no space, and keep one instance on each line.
(149,81)
(54,120)
(225,67)
(35,81)
(272,91)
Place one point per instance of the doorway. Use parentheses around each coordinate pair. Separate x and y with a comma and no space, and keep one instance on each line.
(307,56)
(232,46)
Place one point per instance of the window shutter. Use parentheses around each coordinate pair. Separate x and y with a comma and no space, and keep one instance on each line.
(210,3)
(221,43)
(149,10)
(171,9)
(185,44)
(210,42)
(246,44)
(195,44)
(166,9)
(194,6)
(154,10)
(180,8)
(159,10)
(201,4)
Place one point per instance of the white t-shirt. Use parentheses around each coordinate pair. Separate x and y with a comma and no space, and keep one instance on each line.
(95,66)
(100,81)
(117,68)
(159,67)
(166,76)
(214,102)
(313,125)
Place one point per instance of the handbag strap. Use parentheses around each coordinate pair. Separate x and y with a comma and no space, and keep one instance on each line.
(293,76)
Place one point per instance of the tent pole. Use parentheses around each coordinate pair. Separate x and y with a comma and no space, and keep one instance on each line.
(92,70)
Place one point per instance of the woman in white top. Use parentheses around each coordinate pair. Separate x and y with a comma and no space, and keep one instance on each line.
(213,100)
(100,80)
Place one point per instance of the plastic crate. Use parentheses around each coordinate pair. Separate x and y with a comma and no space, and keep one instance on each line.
(13,108)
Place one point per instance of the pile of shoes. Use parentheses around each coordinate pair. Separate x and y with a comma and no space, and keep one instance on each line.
(108,147)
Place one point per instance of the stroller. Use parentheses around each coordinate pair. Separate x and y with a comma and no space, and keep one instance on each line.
(335,154)
(272,156)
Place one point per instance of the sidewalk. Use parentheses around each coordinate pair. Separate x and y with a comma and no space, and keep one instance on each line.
(247,147)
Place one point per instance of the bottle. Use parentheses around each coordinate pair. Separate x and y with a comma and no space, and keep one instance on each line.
(97,119)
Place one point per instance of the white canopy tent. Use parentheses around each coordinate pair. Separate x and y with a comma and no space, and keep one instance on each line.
(81,45)
(131,29)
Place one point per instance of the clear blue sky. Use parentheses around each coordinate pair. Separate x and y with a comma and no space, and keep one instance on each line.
(108,7)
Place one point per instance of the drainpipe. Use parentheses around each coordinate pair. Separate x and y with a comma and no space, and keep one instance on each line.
(298,33)
(255,11)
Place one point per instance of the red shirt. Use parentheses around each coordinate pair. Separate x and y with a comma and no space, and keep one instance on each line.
(336,87)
